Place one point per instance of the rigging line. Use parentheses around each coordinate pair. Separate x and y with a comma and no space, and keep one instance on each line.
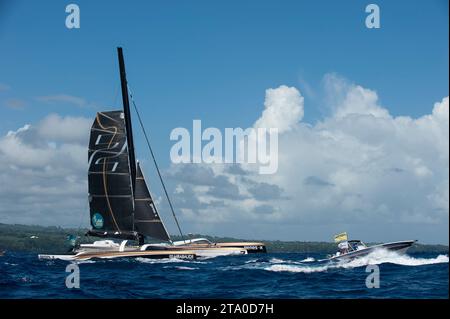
(156,164)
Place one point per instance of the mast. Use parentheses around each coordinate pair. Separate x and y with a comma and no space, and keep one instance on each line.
(126,111)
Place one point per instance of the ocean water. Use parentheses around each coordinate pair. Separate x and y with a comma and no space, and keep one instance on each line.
(272,275)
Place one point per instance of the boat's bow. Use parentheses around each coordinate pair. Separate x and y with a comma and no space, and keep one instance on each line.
(397,246)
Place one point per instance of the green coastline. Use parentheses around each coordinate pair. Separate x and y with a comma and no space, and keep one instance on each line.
(52,239)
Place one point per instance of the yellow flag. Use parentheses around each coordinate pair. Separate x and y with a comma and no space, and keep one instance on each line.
(340,237)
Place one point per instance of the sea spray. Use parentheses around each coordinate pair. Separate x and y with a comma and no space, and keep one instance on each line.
(380,256)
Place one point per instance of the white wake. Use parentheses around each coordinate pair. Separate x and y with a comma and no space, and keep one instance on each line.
(377,257)
(168,261)
(181,267)
(382,256)
(282,261)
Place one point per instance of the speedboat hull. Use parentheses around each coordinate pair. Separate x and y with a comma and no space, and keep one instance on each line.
(398,246)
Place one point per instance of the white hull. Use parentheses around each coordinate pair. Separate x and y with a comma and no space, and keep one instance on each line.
(60,257)
(166,254)
(106,250)
(201,250)
(216,252)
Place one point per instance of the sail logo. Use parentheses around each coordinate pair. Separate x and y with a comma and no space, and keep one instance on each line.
(257,146)
(113,152)
(97,221)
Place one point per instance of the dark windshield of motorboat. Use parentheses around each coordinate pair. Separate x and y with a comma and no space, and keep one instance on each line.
(356,245)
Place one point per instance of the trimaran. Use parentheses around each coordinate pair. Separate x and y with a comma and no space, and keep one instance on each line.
(121,206)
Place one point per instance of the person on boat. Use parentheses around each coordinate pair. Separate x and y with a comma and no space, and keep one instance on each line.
(343,247)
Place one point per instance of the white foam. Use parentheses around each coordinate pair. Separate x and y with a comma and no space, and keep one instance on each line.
(186,268)
(377,257)
(382,256)
(160,261)
(281,261)
(9,264)
(292,268)
(169,260)
(277,261)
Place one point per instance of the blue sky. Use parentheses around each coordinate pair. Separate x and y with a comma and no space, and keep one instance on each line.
(213,60)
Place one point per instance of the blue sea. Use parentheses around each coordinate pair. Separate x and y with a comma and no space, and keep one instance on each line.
(272,275)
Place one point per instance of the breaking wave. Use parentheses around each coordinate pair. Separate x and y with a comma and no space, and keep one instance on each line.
(281,261)
(181,267)
(292,268)
(382,256)
(277,261)
(377,257)
(168,261)
(10,264)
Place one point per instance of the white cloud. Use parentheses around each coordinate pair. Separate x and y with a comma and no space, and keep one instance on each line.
(283,109)
(43,175)
(69,129)
(63,98)
(357,100)
(360,169)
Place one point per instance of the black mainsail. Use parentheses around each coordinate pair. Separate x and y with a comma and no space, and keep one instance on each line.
(119,200)
(109,178)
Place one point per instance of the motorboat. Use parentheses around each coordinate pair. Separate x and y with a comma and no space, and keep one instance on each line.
(350,249)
